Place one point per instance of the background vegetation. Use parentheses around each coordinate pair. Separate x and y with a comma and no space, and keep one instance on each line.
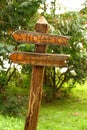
(58,82)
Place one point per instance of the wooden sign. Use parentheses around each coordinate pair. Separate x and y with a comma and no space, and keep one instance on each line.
(40,59)
(40,38)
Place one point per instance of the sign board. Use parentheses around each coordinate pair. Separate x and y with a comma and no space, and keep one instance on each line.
(39,59)
(40,38)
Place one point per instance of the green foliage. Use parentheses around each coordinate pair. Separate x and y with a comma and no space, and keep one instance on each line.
(15,14)
(15,105)
(64,114)
(23,14)
(4,71)
(69,24)
(26,47)
(9,74)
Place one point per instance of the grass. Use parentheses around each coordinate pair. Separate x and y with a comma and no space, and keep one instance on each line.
(10,123)
(66,113)
(63,114)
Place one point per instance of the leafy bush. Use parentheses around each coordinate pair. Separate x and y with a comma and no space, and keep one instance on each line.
(69,24)
(15,105)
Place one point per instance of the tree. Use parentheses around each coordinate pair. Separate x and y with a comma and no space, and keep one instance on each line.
(70,24)
(13,15)
(16,14)
(53,8)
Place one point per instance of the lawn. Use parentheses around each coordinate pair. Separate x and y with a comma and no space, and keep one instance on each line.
(68,113)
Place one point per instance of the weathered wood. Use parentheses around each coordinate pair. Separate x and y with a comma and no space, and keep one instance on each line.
(40,38)
(40,59)
(36,82)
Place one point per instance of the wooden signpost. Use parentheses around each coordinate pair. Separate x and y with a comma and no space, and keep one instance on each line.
(38,59)
(40,38)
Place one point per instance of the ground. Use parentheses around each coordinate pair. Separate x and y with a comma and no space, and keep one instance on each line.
(67,113)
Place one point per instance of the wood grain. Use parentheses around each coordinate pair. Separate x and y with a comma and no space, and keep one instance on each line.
(40,59)
(40,38)
(36,82)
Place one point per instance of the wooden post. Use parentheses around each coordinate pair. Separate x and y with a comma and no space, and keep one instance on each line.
(41,39)
(36,82)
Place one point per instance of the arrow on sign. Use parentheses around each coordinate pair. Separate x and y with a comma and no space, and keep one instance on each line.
(40,38)
(40,59)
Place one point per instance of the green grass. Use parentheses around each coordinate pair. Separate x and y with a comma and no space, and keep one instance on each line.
(64,114)
(10,123)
